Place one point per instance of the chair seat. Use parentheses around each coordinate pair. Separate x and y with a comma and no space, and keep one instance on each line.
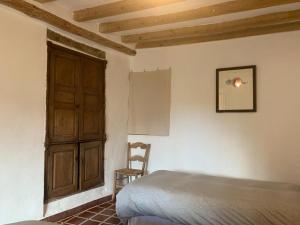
(129,172)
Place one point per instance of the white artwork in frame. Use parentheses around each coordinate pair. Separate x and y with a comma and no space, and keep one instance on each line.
(236,89)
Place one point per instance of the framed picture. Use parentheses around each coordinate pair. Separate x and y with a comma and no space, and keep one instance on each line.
(236,89)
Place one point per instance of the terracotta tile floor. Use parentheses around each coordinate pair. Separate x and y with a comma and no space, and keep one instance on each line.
(104,214)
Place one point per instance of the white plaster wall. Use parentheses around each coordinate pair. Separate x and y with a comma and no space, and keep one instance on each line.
(263,145)
(23,66)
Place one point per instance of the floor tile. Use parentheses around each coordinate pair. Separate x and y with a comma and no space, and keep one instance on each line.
(64,220)
(90,222)
(100,217)
(102,214)
(108,212)
(75,220)
(86,214)
(113,220)
(106,205)
(96,209)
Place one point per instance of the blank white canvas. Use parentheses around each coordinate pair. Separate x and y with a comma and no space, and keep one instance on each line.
(149,103)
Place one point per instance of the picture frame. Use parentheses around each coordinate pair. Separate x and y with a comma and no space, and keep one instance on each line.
(236,89)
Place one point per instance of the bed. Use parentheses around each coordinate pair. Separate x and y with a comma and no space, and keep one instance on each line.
(174,198)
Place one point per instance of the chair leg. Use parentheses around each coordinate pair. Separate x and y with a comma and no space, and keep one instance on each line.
(114,187)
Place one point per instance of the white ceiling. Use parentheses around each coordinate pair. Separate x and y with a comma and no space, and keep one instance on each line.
(70,5)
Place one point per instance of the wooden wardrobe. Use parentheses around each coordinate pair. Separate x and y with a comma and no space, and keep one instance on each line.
(75,133)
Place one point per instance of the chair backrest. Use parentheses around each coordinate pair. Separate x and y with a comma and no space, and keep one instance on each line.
(142,158)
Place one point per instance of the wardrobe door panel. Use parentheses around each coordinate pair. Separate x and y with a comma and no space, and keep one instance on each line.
(75,122)
(92,118)
(62,170)
(63,97)
(91,164)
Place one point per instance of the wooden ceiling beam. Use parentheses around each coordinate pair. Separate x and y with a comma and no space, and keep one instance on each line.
(117,8)
(203,12)
(293,26)
(44,1)
(56,37)
(43,15)
(212,29)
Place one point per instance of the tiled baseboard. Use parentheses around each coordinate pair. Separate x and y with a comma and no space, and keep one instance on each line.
(70,212)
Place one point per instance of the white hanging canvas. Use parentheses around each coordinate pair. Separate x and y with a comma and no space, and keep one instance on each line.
(149,103)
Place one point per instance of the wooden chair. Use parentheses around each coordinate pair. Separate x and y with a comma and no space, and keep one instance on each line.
(129,172)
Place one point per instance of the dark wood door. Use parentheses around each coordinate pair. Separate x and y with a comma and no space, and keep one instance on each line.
(62,167)
(63,97)
(92,96)
(75,122)
(91,164)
